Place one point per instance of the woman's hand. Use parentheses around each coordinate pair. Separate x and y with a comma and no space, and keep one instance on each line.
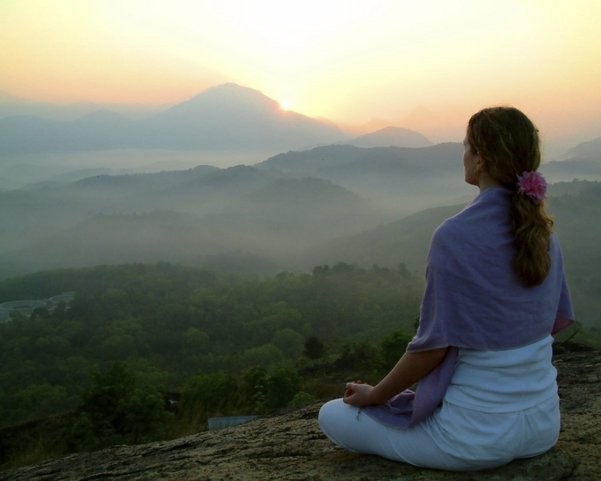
(412,367)
(358,394)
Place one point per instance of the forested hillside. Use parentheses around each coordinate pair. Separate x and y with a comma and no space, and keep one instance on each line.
(225,344)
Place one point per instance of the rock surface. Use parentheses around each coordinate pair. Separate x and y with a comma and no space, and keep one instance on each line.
(291,447)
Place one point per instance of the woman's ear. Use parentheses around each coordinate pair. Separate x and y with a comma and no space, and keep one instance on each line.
(480,164)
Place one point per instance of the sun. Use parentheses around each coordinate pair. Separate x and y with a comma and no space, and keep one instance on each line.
(285,104)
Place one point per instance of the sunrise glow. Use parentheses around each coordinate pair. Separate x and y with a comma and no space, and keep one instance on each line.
(347,61)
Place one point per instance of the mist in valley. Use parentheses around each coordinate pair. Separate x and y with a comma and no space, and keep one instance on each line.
(79,198)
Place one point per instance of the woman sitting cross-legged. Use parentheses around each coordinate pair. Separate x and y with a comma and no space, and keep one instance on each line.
(495,292)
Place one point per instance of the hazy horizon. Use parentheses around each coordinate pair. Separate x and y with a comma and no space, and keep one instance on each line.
(425,67)
(555,147)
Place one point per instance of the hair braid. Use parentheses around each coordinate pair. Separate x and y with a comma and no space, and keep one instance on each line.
(508,143)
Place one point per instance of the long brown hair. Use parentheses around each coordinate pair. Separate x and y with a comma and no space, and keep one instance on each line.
(508,143)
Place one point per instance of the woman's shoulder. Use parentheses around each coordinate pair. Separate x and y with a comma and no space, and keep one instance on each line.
(490,207)
(455,225)
(485,220)
(448,238)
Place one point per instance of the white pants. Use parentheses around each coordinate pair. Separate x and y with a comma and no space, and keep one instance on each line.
(453,438)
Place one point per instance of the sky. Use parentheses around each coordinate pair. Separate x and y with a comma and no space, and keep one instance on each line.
(428,64)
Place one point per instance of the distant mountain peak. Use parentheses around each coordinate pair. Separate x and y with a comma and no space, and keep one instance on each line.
(591,148)
(231,86)
(231,94)
(391,136)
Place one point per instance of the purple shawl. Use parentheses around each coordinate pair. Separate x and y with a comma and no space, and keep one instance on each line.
(474,299)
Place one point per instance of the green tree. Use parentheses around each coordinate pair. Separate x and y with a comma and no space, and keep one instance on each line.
(289,342)
(314,348)
(392,348)
(301,399)
(263,391)
(254,390)
(210,393)
(118,409)
(265,356)
(38,400)
(358,358)
(282,385)
(196,340)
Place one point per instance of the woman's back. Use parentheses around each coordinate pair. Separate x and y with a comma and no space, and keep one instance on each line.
(504,381)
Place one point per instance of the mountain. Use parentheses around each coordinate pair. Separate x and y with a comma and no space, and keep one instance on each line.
(289,215)
(405,241)
(576,168)
(277,209)
(402,179)
(203,214)
(584,162)
(32,215)
(236,118)
(440,159)
(592,148)
(390,136)
(227,117)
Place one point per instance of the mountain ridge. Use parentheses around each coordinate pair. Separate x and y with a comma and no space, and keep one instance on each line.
(226,117)
(590,148)
(391,136)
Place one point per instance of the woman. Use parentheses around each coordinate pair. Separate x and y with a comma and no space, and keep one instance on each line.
(495,292)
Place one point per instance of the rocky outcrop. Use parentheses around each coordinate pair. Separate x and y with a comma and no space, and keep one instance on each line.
(291,447)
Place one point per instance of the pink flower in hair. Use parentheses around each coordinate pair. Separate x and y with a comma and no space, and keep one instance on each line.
(533,185)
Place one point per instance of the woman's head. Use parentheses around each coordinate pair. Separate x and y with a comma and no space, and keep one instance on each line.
(506,141)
